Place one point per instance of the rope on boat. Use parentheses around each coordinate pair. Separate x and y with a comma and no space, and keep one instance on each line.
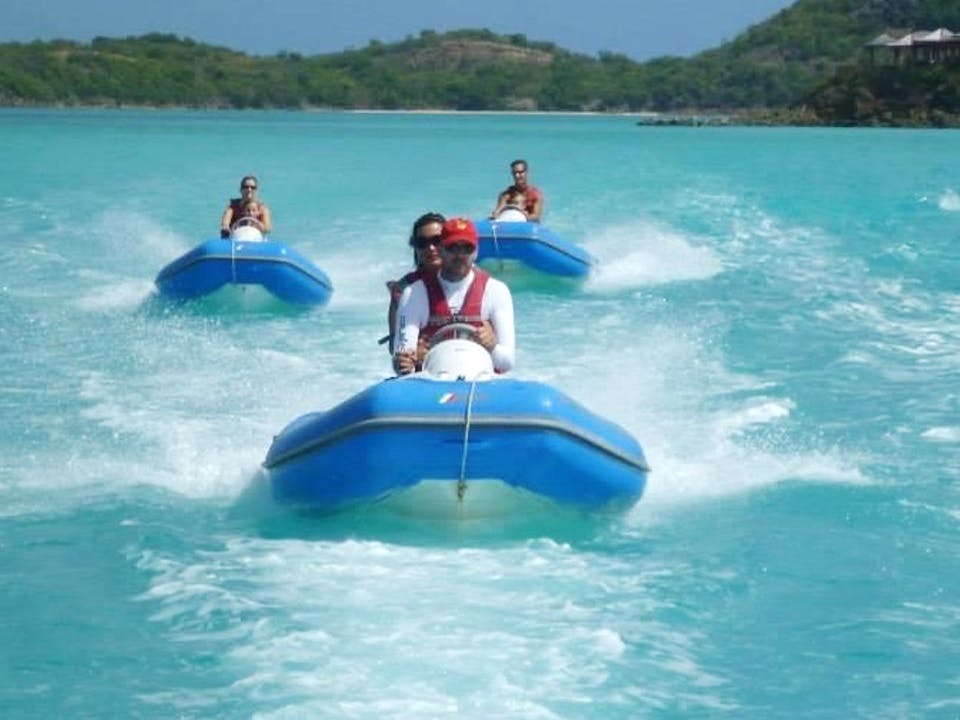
(496,244)
(462,480)
(233,261)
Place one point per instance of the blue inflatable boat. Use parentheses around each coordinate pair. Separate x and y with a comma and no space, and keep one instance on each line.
(533,246)
(268,267)
(438,443)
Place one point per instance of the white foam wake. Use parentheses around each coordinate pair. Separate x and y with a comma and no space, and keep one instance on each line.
(647,253)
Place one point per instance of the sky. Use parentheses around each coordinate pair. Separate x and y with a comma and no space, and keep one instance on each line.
(639,29)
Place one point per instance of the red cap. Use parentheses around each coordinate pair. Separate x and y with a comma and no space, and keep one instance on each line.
(459,230)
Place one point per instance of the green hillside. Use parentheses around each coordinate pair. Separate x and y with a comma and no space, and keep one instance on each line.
(799,60)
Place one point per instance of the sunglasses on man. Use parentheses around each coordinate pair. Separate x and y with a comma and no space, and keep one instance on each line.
(459,249)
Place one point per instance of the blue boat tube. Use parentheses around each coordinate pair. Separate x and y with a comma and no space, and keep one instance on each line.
(269,265)
(533,246)
(456,439)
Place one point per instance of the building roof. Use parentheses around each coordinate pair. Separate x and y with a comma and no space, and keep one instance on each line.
(882,39)
(905,41)
(938,35)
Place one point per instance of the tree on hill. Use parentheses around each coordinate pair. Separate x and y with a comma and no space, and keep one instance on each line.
(779,63)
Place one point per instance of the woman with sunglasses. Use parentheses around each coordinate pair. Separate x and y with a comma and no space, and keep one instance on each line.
(458,293)
(425,241)
(247,206)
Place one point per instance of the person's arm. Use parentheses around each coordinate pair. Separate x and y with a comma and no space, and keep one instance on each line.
(501,203)
(411,316)
(537,212)
(500,311)
(226,220)
(486,336)
(394,287)
(267,218)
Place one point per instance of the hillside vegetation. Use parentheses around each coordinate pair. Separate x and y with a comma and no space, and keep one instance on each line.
(802,62)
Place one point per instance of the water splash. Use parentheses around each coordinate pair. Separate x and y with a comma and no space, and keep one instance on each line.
(949,201)
(647,253)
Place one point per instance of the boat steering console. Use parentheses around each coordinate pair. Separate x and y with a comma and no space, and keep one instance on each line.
(455,354)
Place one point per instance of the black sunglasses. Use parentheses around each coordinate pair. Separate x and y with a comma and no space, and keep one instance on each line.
(248,187)
(422,242)
(459,249)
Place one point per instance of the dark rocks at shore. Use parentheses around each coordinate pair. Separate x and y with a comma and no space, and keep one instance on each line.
(685,120)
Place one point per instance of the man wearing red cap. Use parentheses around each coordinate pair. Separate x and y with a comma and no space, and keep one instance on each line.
(459,293)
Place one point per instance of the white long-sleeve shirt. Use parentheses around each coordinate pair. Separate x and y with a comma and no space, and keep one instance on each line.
(413,313)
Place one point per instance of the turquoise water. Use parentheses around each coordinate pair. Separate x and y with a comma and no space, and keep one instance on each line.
(776,317)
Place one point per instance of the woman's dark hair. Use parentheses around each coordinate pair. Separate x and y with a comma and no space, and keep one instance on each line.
(425,219)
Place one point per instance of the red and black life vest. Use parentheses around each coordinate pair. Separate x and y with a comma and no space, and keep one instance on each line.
(530,196)
(396,287)
(239,211)
(440,313)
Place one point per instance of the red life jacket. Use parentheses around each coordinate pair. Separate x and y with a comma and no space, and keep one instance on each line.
(530,196)
(396,287)
(440,313)
(239,211)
